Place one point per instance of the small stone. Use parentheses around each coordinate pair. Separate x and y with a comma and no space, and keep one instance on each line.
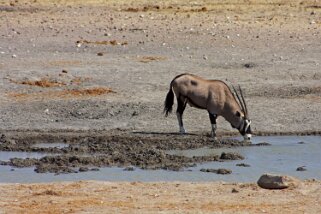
(243,165)
(100,54)
(249,65)
(129,168)
(270,181)
(231,156)
(83,169)
(301,168)
(234,190)
(14,56)
(218,171)
(262,144)
(224,171)
(64,71)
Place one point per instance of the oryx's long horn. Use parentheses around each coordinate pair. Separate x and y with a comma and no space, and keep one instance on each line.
(245,107)
(238,98)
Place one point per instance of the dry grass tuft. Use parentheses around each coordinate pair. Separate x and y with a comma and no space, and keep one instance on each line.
(49,192)
(111,42)
(43,82)
(146,59)
(62,94)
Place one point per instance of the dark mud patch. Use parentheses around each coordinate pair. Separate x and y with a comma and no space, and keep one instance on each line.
(231,156)
(243,165)
(218,171)
(121,150)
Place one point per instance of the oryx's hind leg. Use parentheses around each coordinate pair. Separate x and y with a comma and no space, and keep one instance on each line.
(181,105)
(213,123)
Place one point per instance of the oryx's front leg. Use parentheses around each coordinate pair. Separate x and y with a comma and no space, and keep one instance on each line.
(181,105)
(213,123)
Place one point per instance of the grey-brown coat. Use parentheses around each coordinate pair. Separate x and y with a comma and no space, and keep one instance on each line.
(214,96)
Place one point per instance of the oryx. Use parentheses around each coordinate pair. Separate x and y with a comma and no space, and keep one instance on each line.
(214,96)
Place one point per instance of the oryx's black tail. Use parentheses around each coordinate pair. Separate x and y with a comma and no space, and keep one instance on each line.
(169,101)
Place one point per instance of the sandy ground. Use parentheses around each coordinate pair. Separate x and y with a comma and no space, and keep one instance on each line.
(136,197)
(75,66)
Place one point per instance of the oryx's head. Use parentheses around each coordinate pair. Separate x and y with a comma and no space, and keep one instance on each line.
(244,126)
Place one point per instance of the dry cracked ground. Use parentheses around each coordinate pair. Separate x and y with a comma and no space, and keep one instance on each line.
(100,66)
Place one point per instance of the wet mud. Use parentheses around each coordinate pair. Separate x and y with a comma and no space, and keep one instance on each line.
(122,149)
(218,171)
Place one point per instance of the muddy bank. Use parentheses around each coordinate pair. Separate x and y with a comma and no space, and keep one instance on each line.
(122,150)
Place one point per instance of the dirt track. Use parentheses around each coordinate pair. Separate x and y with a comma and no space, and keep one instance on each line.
(94,68)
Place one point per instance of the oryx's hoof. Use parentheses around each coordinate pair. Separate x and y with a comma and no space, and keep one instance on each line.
(182,131)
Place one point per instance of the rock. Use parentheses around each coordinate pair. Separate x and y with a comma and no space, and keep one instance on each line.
(243,164)
(224,171)
(262,144)
(231,156)
(249,65)
(129,168)
(3,139)
(100,54)
(270,181)
(234,190)
(301,168)
(217,171)
(83,169)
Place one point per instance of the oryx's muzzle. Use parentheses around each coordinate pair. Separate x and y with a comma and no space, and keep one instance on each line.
(247,137)
(245,129)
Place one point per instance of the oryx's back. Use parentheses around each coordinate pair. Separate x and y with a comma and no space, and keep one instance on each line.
(200,91)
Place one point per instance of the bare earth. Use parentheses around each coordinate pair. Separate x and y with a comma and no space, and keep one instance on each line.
(83,66)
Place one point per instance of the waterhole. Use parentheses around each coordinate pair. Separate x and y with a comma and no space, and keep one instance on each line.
(284,156)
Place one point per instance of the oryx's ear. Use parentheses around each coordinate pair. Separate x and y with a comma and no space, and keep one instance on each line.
(238,114)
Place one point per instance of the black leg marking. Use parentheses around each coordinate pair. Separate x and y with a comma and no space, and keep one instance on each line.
(213,118)
(181,105)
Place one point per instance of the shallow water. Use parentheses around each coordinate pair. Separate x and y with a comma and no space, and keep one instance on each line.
(51,145)
(283,157)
